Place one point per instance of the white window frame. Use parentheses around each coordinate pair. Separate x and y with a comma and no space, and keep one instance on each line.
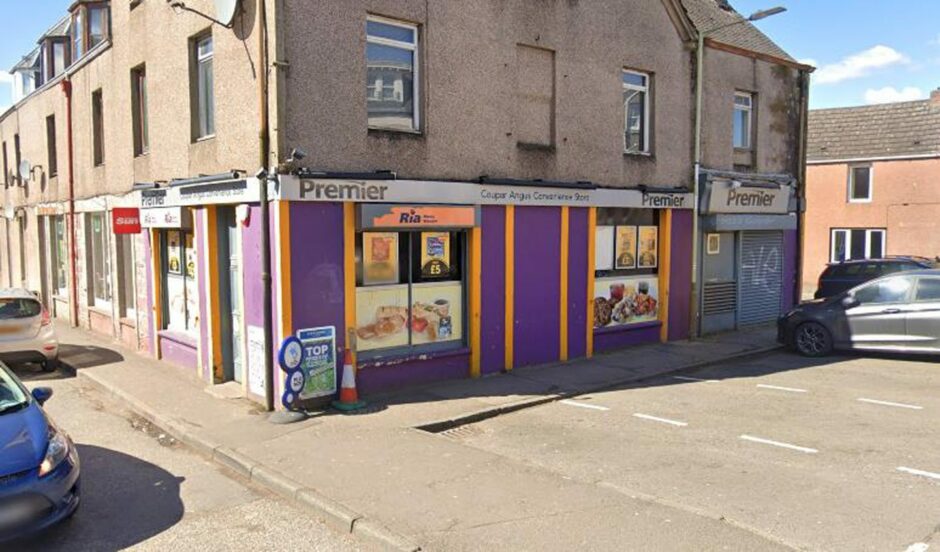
(97,301)
(646,110)
(749,109)
(415,49)
(851,184)
(202,58)
(848,242)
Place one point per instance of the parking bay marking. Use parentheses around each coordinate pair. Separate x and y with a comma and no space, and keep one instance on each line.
(888,403)
(921,473)
(688,378)
(778,388)
(582,405)
(658,419)
(762,441)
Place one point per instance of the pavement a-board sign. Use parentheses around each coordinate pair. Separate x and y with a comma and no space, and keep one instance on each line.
(319,362)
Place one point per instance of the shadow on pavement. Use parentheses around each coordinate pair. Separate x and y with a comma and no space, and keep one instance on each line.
(87,356)
(125,501)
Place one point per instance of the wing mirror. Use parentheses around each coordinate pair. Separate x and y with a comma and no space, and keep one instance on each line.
(42,394)
(850,302)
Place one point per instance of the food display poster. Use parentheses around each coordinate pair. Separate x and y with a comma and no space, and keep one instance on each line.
(625,300)
(603,248)
(649,247)
(319,361)
(190,256)
(381,317)
(626,247)
(437,312)
(379,258)
(174,261)
(435,254)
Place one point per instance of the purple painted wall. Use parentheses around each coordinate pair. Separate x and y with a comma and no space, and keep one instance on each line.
(680,276)
(492,289)
(790,244)
(618,339)
(577,281)
(179,349)
(148,312)
(537,283)
(202,266)
(374,377)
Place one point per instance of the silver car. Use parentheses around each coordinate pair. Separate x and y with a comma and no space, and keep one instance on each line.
(26,330)
(897,313)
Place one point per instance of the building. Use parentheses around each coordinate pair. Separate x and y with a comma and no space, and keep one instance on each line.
(873,184)
(503,192)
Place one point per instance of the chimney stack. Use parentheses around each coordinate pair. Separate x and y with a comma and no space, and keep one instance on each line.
(935,98)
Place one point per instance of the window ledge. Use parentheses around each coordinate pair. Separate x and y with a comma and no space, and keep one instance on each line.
(404,357)
(100,310)
(743,150)
(628,327)
(638,154)
(204,138)
(528,146)
(380,131)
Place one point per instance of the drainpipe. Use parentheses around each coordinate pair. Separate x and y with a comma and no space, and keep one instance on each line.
(73,255)
(801,185)
(699,78)
(264,143)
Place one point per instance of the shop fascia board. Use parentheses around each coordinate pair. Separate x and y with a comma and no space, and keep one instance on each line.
(229,192)
(293,188)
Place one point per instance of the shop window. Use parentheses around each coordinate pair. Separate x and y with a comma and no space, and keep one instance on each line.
(636,110)
(849,244)
(411,291)
(97,237)
(626,267)
(59,257)
(181,295)
(392,74)
(127,295)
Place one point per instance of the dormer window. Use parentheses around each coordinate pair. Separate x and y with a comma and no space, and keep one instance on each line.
(90,26)
(55,57)
(97,24)
(78,33)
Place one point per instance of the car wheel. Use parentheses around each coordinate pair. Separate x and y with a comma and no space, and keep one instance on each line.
(813,340)
(49,365)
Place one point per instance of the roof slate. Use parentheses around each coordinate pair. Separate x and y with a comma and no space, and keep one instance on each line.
(887,130)
(708,14)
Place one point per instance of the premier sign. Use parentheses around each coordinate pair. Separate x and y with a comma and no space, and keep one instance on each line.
(727,197)
(317,190)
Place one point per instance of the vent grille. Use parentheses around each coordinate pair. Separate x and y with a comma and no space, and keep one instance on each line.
(720,298)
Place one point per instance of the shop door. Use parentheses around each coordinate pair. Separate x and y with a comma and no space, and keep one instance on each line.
(44,249)
(719,283)
(230,299)
(761,277)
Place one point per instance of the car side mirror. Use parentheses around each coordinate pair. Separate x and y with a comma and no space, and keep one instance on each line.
(42,394)
(850,302)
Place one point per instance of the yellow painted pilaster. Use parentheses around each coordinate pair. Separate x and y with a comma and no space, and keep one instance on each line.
(592,225)
(476,260)
(156,308)
(349,273)
(665,262)
(211,279)
(563,296)
(510,284)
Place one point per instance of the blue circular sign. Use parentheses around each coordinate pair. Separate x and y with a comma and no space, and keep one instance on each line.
(291,355)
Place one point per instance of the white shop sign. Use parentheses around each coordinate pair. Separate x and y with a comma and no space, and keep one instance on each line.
(211,193)
(165,217)
(292,188)
(727,197)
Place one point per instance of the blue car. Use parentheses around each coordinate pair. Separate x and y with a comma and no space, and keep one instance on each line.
(39,467)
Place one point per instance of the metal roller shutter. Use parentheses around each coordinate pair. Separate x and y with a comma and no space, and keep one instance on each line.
(761,277)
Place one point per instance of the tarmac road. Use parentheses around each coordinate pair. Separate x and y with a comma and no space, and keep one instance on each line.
(144,491)
(837,454)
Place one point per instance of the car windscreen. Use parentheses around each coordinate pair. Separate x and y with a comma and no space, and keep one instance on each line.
(12,308)
(12,396)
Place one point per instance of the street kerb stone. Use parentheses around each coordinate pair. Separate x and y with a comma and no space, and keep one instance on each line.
(333,513)
(378,533)
(235,460)
(275,481)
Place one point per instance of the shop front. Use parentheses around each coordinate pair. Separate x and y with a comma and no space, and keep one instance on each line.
(440,280)
(749,247)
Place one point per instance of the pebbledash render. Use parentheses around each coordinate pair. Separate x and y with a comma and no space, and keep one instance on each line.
(514,184)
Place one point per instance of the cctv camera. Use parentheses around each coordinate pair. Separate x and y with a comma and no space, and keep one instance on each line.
(297,154)
(262,172)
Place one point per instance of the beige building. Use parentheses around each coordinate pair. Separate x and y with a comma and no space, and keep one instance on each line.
(873,184)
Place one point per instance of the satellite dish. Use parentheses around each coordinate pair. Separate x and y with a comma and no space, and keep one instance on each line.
(26,170)
(225,10)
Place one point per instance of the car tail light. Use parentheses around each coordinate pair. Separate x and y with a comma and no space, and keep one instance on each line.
(46,317)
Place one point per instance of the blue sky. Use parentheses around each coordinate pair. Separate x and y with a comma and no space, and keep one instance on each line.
(867,51)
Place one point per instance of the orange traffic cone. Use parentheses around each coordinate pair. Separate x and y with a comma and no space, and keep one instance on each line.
(348,395)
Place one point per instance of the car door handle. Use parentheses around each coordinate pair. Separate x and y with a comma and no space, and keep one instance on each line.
(891,311)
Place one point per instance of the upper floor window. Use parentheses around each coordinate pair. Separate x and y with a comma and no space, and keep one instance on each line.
(204,104)
(860,184)
(51,154)
(78,33)
(97,127)
(139,114)
(97,24)
(636,109)
(90,23)
(392,74)
(6,167)
(743,118)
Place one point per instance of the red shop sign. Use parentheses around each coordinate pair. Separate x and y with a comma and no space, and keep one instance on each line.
(125,220)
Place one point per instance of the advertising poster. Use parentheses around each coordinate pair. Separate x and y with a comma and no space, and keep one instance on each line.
(174,261)
(625,300)
(190,257)
(437,313)
(649,247)
(379,258)
(435,254)
(256,360)
(319,361)
(626,247)
(382,317)
(604,248)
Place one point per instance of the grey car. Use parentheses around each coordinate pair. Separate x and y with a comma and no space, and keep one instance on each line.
(896,313)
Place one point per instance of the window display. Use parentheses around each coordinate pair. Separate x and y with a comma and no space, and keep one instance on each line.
(626,285)
(625,300)
(181,294)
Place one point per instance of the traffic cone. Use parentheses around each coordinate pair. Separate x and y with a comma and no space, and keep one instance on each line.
(348,395)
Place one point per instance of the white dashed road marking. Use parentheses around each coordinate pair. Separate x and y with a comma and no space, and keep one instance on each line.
(687,378)
(582,405)
(887,403)
(807,450)
(662,420)
(921,473)
(778,388)
(918,547)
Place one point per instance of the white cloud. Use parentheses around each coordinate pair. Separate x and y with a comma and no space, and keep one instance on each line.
(6,78)
(859,65)
(890,94)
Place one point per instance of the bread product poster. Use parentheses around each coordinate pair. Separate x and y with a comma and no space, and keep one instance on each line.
(380,258)
(437,312)
(435,254)
(649,247)
(626,247)
(625,300)
(381,317)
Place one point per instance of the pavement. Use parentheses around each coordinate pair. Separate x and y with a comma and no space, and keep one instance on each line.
(395,475)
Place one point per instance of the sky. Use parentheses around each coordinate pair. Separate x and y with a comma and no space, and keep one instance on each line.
(866,51)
